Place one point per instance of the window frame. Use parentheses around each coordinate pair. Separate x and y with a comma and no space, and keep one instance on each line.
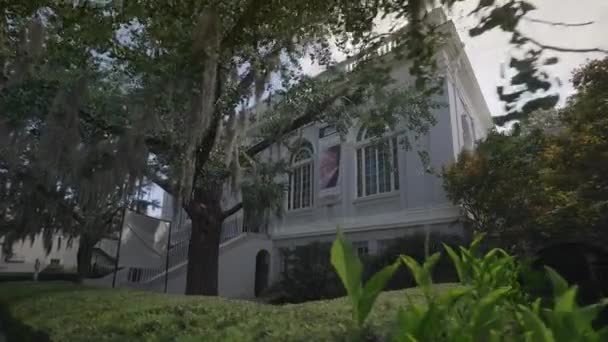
(362,143)
(298,167)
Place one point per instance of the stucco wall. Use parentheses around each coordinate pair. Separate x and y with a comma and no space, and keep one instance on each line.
(237,267)
(28,252)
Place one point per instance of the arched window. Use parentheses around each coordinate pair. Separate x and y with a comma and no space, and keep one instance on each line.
(300,178)
(377,164)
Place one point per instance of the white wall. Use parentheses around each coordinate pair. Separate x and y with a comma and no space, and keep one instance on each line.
(29,252)
(237,266)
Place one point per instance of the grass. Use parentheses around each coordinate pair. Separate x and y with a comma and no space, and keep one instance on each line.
(67,312)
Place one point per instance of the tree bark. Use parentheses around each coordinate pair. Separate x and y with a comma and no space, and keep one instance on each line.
(203,254)
(84,256)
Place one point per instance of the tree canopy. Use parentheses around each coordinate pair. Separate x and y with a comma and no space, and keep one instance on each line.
(100,96)
(546,183)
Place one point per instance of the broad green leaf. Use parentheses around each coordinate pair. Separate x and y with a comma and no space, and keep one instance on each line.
(566,302)
(476,241)
(414,268)
(497,252)
(588,313)
(533,324)
(453,295)
(372,289)
(484,307)
(559,284)
(456,261)
(430,262)
(348,266)
(536,306)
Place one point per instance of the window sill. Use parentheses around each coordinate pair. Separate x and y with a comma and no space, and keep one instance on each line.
(299,212)
(377,197)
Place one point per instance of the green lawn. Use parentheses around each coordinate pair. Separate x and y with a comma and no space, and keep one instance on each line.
(66,312)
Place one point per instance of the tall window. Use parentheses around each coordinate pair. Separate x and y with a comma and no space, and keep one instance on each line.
(300,179)
(377,166)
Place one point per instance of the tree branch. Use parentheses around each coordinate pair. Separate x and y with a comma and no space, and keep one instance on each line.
(553,23)
(558,48)
(227,213)
(308,117)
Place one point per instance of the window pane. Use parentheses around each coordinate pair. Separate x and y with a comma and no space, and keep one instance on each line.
(306,186)
(359,173)
(384,170)
(361,247)
(297,187)
(388,171)
(371,174)
(289,201)
(395,164)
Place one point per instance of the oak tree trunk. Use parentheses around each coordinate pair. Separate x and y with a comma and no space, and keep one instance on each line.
(203,254)
(84,256)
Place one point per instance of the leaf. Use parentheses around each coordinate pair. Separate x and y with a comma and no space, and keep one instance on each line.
(476,241)
(348,266)
(534,325)
(566,302)
(588,313)
(429,264)
(372,289)
(453,295)
(551,61)
(559,284)
(457,262)
(483,310)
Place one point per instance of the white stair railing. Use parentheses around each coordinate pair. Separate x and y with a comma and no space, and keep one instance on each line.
(178,255)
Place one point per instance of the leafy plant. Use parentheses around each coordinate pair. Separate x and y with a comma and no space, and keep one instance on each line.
(565,321)
(350,269)
(494,269)
(473,312)
(307,275)
(488,306)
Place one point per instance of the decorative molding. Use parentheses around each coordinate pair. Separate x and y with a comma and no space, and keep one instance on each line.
(397,219)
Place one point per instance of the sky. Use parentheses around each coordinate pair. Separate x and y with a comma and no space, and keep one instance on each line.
(488,52)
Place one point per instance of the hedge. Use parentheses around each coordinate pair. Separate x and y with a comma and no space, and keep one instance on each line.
(69,312)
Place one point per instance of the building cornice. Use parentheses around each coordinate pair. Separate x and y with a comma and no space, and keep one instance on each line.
(400,219)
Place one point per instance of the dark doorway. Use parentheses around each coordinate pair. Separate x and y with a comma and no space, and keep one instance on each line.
(262,270)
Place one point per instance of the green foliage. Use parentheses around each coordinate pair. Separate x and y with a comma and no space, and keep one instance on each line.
(485,273)
(415,246)
(566,320)
(307,275)
(499,185)
(489,305)
(546,181)
(64,312)
(349,269)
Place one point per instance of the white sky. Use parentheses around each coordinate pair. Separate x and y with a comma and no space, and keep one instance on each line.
(489,51)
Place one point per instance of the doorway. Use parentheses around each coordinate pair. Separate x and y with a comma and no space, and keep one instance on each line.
(262,271)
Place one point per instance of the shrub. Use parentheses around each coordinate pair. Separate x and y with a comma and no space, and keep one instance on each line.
(307,275)
(489,306)
(413,246)
(66,312)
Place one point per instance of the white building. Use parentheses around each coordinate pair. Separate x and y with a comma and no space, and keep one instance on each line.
(62,255)
(375,194)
